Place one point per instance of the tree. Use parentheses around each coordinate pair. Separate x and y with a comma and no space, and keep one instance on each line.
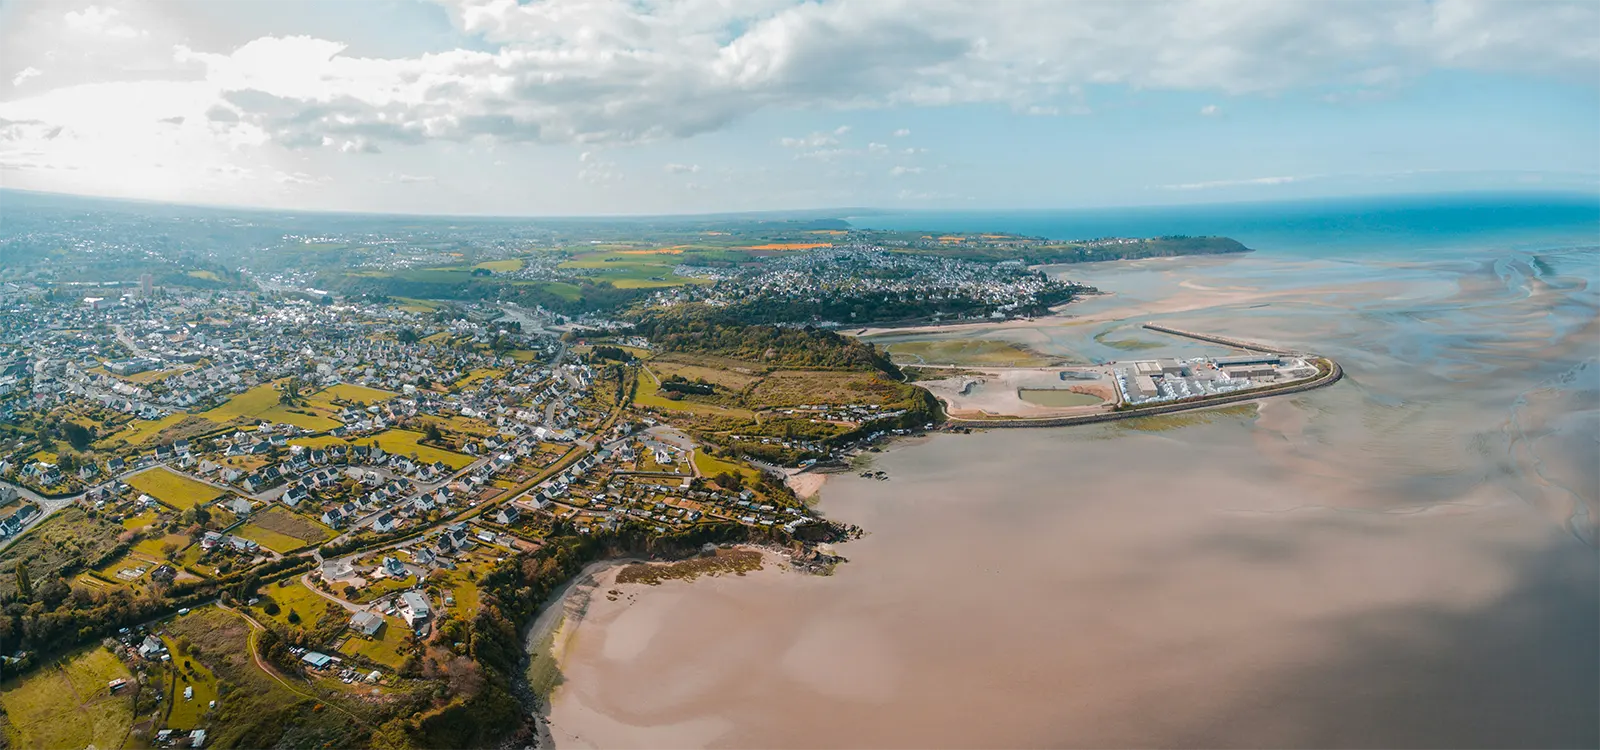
(407,336)
(433,434)
(78,436)
(24,582)
(67,462)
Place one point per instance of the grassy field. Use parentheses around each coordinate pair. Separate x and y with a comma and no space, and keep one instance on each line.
(151,548)
(173,488)
(710,466)
(69,705)
(404,442)
(501,266)
(255,708)
(630,269)
(349,392)
(384,648)
(140,521)
(281,530)
(797,387)
(295,597)
(384,586)
(649,394)
(261,403)
(141,432)
(68,537)
(969,352)
(185,672)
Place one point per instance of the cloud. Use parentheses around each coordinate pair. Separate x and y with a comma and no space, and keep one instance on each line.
(903,171)
(24,74)
(815,140)
(1209,110)
(902,132)
(617,71)
(100,21)
(1214,184)
(596,170)
(681,168)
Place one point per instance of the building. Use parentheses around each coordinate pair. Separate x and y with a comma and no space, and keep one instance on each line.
(1248,359)
(316,660)
(366,623)
(414,608)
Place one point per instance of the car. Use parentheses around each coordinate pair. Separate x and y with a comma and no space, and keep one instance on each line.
(183,611)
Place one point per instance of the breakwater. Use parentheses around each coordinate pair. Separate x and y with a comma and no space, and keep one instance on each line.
(1223,340)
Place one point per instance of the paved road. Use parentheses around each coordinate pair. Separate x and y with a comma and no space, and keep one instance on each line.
(47,507)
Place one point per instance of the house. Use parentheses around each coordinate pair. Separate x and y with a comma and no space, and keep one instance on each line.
(294,495)
(211,540)
(366,623)
(333,570)
(333,517)
(394,567)
(164,573)
(414,608)
(507,514)
(383,523)
(164,451)
(422,556)
(242,544)
(151,648)
(238,505)
(116,465)
(197,739)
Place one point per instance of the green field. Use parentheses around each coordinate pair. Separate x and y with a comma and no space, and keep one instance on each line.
(710,466)
(383,649)
(172,488)
(649,394)
(69,705)
(261,403)
(969,352)
(185,672)
(143,432)
(282,530)
(295,597)
(151,548)
(404,442)
(349,392)
(501,266)
(1057,397)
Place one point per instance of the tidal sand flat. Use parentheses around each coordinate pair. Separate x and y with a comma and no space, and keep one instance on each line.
(1405,559)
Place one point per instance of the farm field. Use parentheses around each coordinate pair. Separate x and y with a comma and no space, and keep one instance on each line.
(172,488)
(649,394)
(281,530)
(69,706)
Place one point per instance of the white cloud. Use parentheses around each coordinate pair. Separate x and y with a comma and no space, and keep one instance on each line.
(815,140)
(25,74)
(1209,110)
(903,171)
(1213,184)
(100,21)
(902,132)
(681,168)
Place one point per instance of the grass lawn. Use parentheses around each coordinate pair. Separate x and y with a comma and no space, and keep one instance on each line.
(295,597)
(523,355)
(383,587)
(69,705)
(68,536)
(140,521)
(797,387)
(261,402)
(173,488)
(384,648)
(151,547)
(184,672)
(281,530)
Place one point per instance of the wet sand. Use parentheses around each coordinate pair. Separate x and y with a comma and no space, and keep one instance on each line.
(1404,559)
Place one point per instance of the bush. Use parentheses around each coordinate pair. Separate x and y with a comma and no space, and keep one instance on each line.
(271,608)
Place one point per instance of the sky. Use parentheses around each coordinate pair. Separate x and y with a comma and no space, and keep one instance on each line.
(581,107)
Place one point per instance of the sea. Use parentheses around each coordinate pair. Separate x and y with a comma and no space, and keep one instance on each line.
(1407,558)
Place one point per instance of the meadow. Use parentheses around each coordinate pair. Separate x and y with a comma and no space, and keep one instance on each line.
(69,705)
(308,605)
(384,648)
(185,672)
(172,488)
(969,352)
(282,530)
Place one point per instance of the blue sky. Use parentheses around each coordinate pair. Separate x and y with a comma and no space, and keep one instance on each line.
(640,106)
